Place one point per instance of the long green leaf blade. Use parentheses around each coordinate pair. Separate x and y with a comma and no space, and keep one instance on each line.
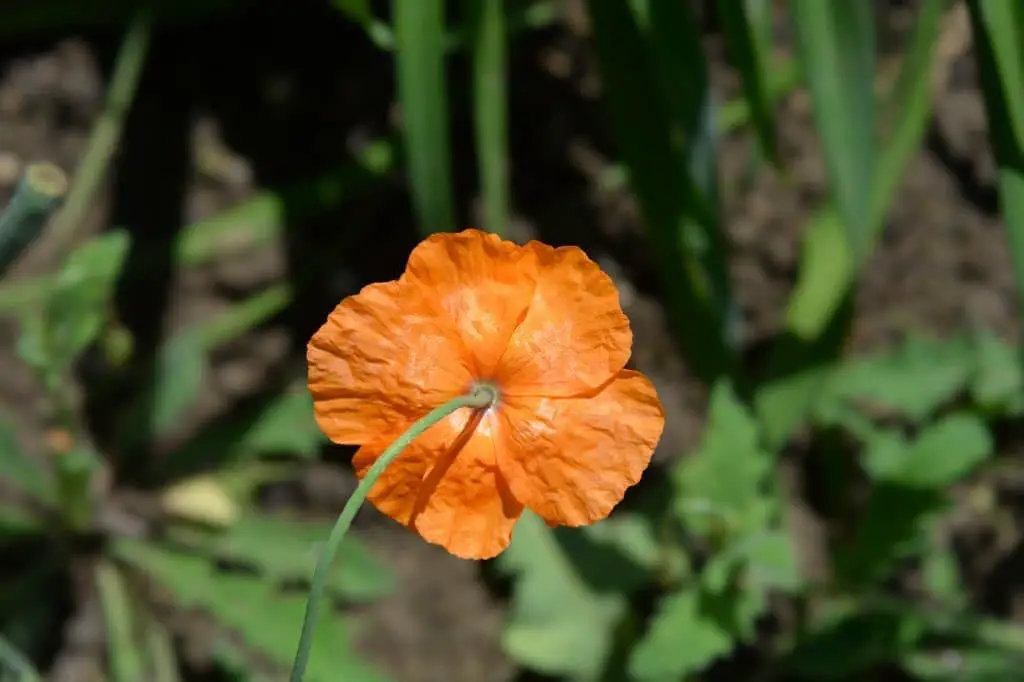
(637,68)
(490,109)
(836,46)
(998,28)
(828,267)
(422,92)
(748,48)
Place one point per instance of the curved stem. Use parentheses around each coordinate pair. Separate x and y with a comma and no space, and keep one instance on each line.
(479,397)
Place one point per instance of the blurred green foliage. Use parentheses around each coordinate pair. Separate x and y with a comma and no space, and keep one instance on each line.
(694,574)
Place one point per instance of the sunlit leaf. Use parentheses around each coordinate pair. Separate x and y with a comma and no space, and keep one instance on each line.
(914,380)
(722,482)
(559,624)
(255,608)
(836,46)
(691,630)
(942,454)
(288,550)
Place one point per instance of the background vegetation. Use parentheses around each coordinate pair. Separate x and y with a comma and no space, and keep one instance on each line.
(815,214)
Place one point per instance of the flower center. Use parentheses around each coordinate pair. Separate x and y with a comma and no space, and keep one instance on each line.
(485,394)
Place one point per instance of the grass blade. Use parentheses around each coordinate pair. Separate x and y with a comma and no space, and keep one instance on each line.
(422,93)
(487,26)
(638,67)
(820,309)
(836,46)
(127,662)
(998,28)
(749,47)
(828,266)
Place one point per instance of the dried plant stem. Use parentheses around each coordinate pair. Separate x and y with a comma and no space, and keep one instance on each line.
(480,397)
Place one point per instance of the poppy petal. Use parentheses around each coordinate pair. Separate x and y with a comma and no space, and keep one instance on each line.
(574,337)
(446,486)
(380,362)
(570,460)
(480,283)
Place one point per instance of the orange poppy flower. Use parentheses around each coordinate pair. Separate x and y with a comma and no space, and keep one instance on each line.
(571,429)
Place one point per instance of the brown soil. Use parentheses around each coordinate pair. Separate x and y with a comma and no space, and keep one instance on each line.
(274,96)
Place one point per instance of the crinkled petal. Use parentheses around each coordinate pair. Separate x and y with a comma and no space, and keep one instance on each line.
(570,460)
(446,486)
(574,337)
(381,361)
(481,283)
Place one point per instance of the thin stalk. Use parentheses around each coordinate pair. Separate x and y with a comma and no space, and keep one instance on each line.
(480,397)
(106,134)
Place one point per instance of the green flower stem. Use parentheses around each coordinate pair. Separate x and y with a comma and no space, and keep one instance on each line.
(481,396)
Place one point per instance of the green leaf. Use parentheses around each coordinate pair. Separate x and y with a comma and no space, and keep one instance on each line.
(769,561)
(178,373)
(20,469)
(854,642)
(836,46)
(946,452)
(281,424)
(667,145)
(963,665)
(127,659)
(265,618)
(287,550)
(422,93)
(750,57)
(998,28)
(915,380)
(559,623)
(77,308)
(998,382)
(691,630)
(722,482)
(285,426)
(895,525)
(942,454)
(827,266)
(490,104)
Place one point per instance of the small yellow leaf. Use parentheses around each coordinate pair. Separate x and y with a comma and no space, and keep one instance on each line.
(202,500)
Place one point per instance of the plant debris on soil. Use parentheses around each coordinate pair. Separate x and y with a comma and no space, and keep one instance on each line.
(271,97)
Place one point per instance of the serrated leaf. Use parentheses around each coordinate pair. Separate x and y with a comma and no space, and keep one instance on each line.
(915,380)
(723,480)
(942,454)
(559,624)
(691,630)
(178,373)
(287,550)
(263,616)
(19,469)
